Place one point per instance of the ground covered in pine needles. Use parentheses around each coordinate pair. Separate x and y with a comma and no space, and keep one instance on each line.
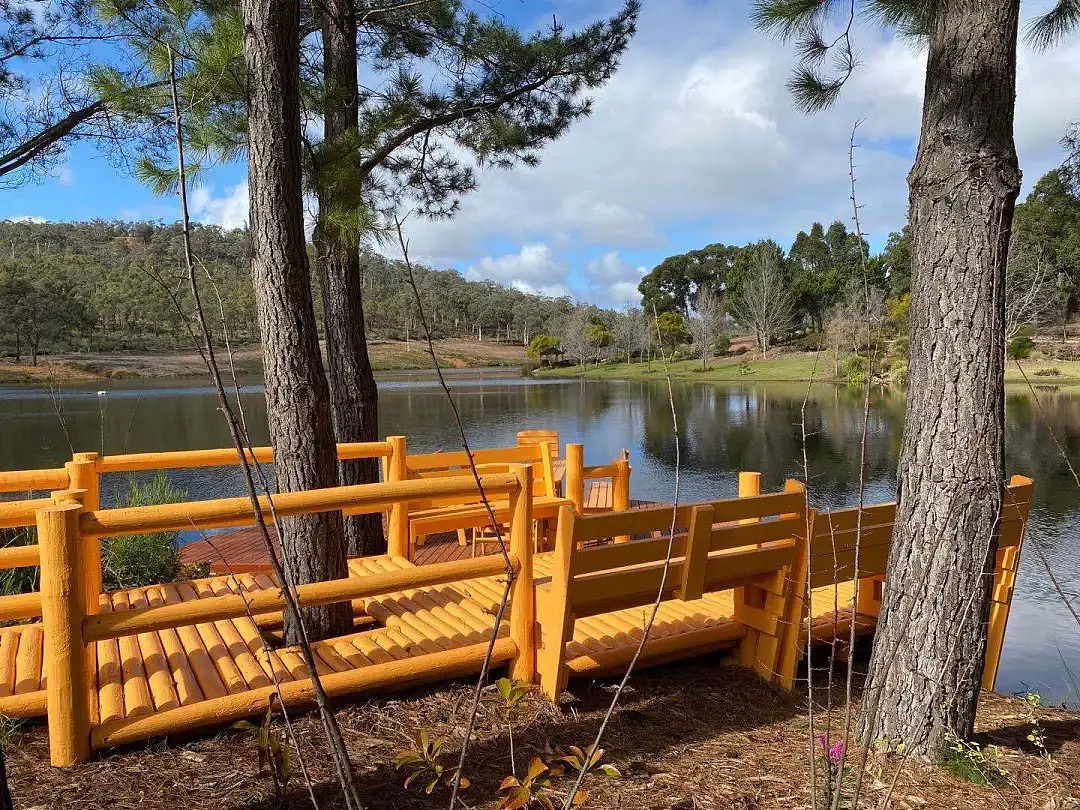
(689,736)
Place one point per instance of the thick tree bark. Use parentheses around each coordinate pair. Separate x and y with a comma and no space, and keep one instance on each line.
(931,642)
(297,397)
(354,395)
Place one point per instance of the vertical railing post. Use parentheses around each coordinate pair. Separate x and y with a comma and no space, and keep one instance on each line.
(67,693)
(575,476)
(749,486)
(398,530)
(523,596)
(83,475)
(620,491)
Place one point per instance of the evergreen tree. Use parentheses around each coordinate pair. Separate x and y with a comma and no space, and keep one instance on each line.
(931,642)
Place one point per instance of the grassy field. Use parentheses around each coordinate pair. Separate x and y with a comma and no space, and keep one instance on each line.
(787,367)
(792,367)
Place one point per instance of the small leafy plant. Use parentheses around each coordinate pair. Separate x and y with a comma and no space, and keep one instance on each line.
(512,693)
(970,761)
(588,760)
(535,788)
(274,754)
(424,765)
(1037,736)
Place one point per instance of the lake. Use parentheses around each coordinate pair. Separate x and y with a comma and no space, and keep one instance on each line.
(724,429)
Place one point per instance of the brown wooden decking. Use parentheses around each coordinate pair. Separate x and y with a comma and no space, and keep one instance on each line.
(244,551)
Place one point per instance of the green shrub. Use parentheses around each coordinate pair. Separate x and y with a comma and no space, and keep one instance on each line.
(1053,371)
(142,559)
(18,580)
(1021,348)
(853,370)
(721,344)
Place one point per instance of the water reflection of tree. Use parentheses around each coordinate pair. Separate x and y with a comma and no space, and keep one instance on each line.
(758,427)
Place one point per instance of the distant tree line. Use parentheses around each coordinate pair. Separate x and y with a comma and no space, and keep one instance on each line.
(118,285)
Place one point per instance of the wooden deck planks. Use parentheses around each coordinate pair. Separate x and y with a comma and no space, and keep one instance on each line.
(152,672)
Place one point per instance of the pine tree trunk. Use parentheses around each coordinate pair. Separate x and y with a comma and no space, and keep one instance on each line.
(951,475)
(354,394)
(297,397)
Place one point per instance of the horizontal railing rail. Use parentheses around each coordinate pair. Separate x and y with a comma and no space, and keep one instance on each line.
(70,587)
(224,512)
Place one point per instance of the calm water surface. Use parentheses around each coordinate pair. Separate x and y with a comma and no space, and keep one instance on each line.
(724,429)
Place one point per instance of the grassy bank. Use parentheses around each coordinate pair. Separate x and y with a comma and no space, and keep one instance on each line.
(794,367)
(385,356)
(787,367)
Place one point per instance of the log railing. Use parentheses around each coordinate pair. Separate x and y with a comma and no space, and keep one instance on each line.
(71,624)
(79,481)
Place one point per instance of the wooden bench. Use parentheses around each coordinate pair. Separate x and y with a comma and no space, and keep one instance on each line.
(726,585)
(841,595)
(432,516)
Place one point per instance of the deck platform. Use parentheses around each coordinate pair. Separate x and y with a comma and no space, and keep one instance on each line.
(153,672)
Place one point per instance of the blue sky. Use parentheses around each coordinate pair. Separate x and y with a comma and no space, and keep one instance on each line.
(695,140)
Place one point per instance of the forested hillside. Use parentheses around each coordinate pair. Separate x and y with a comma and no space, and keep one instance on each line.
(118,285)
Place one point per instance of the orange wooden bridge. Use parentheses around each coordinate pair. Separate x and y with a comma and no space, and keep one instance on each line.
(758,574)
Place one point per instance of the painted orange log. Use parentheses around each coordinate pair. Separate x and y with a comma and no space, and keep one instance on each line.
(33,480)
(523,595)
(222,457)
(410,672)
(213,643)
(9,646)
(575,476)
(31,704)
(620,491)
(183,677)
(202,666)
(371,650)
(317,593)
(62,605)
(359,499)
(267,659)
(397,539)
(155,662)
(137,698)
(15,514)
(110,678)
(235,644)
(86,481)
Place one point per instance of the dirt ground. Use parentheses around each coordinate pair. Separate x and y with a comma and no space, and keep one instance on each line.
(690,736)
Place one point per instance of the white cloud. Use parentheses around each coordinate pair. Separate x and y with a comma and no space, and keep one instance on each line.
(611,282)
(65,176)
(535,268)
(697,134)
(28,218)
(229,211)
(696,140)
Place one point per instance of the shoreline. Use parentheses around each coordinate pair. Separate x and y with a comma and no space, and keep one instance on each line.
(386,355)
(793,367)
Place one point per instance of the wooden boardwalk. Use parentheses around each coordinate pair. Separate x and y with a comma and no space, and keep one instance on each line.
(154,672)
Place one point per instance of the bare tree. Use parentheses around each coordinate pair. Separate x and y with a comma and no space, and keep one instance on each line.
(574,335)
(707,316)
(764,303)
(853,321)
(626,333)
(1031,288)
